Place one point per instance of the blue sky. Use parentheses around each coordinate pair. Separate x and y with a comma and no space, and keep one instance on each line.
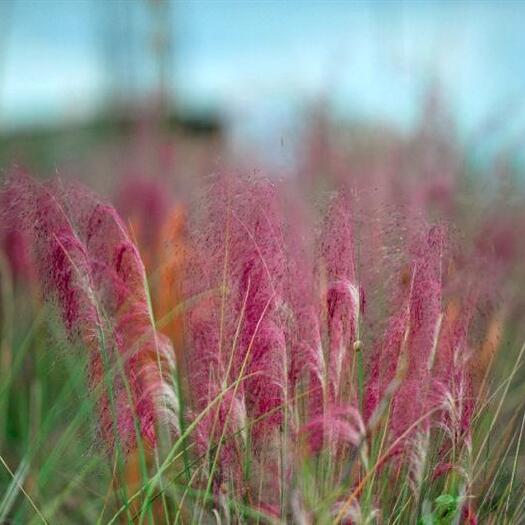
(263,61)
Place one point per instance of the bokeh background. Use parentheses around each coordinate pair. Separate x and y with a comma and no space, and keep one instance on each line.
(83,73)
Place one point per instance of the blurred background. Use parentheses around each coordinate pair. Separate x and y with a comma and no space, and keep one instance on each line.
(248,78)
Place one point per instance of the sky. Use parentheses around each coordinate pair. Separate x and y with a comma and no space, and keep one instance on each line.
(262,62)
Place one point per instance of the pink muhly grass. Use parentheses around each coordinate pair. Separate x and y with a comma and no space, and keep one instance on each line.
(257,270)
(60,257)
(452,371)
(148,358)
(241,257)
(407,352)
(424,308)
(223,411)
(99,288)
(14,242)
(386,362)
(303,307)
(336,427)
(64,271)
(343,297)
(209,336)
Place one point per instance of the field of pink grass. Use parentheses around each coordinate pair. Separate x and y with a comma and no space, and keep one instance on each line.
(342,343)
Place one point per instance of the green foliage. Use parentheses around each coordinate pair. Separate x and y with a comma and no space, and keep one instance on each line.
(444,511)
